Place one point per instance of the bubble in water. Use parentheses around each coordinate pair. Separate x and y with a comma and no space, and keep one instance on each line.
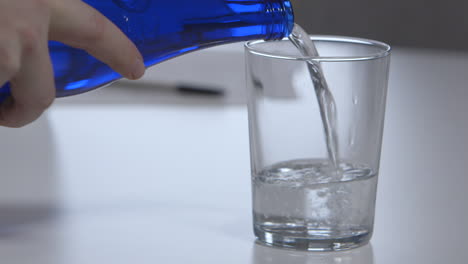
(352,136)
(355,100)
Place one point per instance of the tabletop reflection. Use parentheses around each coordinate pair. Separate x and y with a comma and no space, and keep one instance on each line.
(268,255)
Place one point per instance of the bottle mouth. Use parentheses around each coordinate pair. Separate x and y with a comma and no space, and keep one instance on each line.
(289,15)
(283,18)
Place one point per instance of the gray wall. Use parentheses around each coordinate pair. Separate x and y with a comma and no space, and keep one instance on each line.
(439,24)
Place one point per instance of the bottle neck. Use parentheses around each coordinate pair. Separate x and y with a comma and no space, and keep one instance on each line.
(282,15)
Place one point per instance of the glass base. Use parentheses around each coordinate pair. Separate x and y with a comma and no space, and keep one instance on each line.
(310,242)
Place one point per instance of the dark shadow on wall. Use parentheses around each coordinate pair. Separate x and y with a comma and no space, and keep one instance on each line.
(415,23)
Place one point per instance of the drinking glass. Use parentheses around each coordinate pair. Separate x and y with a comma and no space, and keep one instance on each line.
(301,198)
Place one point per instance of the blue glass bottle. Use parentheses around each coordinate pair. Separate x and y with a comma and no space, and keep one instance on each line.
(163,29)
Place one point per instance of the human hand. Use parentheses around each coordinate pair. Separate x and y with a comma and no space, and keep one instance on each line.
(26,26)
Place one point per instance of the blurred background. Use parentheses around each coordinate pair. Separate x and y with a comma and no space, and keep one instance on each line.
(415,23)
(119,161)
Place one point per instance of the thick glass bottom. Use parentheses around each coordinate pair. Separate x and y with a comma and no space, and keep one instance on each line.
(313,240)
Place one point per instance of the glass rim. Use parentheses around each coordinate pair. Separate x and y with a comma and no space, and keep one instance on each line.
(385,49)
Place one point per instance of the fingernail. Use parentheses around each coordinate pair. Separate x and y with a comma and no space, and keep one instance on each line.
(138,69)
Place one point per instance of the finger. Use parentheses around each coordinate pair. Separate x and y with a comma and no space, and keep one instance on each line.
(32,89)
(10,62)
(10,56)
(79,25)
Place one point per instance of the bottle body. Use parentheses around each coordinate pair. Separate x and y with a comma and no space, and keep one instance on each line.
(163,29)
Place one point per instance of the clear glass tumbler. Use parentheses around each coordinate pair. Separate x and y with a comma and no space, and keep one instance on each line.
(302,198)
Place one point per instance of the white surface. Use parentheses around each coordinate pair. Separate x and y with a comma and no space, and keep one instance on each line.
(138,174)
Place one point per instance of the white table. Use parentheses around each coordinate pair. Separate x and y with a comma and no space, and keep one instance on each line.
(137,173)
